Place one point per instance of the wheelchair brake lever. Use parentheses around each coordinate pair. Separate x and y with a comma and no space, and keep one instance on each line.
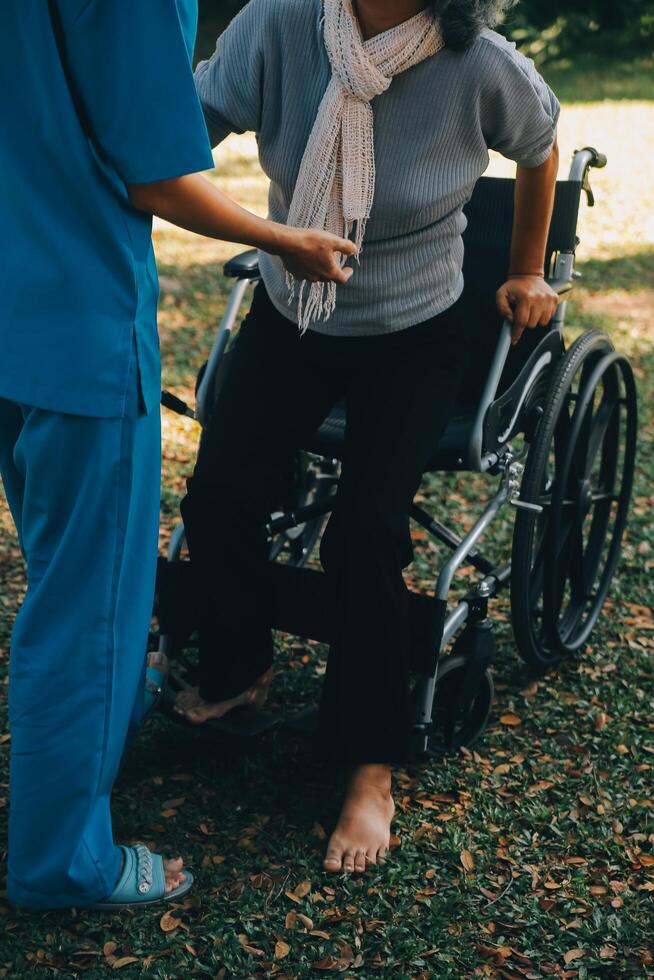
(524,505)
(513,478)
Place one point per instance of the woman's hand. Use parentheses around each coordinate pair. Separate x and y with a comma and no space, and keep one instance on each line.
(315,256)
(528,302)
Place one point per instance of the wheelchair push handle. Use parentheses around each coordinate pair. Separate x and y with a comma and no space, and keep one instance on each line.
(585,160)
(582,162)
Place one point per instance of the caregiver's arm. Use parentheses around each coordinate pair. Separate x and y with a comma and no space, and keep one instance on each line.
(192,202)
(526,299)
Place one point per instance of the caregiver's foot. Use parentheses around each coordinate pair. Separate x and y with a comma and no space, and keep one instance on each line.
(173,873)
(195,709)
(363,832)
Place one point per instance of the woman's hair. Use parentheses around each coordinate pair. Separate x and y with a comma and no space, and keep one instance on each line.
(463,20)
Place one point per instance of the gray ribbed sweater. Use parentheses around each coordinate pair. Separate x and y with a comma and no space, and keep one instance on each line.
(433,129)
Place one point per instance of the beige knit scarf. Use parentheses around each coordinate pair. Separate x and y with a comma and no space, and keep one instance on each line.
(336,182)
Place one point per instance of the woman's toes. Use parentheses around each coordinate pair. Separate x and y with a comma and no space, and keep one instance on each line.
(360,861)
(348,862)
(381,855)
(371,857)
(333,860)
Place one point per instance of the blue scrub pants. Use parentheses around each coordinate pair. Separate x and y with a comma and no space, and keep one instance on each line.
(84,493)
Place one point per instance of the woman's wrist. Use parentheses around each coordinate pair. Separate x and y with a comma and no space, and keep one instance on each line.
(526,275)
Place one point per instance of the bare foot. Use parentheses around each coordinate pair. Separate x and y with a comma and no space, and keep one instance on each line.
(196,710)
(362,835)
(173,873)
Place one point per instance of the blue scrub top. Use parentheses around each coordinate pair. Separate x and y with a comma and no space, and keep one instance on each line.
(77,272)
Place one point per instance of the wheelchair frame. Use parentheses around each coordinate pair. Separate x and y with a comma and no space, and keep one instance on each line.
(469,618)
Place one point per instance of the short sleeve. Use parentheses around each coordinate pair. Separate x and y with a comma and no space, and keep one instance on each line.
(130,63)
(230,83)
(519,110)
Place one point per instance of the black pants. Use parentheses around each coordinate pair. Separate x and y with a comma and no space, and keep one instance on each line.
(279,387)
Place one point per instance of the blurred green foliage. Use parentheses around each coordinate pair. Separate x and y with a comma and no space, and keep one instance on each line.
(546,30)
(549,30)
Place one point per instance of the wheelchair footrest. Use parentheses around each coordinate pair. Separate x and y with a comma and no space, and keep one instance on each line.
(245,723)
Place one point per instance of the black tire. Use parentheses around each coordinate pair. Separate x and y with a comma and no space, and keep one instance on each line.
(448,735)
(563,559)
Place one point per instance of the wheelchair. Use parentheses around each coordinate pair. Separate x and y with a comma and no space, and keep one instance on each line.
(556,425)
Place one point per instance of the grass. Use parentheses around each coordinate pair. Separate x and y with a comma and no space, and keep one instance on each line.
(556,810)
(589,79)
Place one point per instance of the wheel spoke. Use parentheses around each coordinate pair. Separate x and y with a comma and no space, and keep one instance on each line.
(597,432)
(555,577)
(577,567)
(564,541)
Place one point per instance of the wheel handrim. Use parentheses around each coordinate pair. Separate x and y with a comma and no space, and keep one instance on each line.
(586,493)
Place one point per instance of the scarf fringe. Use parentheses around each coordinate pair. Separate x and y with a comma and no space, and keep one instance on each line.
(337,172)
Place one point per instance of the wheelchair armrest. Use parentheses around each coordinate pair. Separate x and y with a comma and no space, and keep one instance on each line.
(562,287)
(243,266)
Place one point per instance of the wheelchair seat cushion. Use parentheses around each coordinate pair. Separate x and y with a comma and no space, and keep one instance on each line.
(449,452)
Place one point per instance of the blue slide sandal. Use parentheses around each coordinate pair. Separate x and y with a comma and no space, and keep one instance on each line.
(142,881)
(156,675)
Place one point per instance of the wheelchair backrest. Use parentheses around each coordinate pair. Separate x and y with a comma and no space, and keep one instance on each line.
(492,386)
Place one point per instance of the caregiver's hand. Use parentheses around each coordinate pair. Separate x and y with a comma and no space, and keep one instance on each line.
(528,302)
(194,203)
(315,256)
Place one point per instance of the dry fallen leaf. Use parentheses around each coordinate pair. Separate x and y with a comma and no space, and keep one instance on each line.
(124,961)
(573,954)
(467,860)
(245,946)
(168,922)
(503,768)
(328,963)
(282,949)
(510,719)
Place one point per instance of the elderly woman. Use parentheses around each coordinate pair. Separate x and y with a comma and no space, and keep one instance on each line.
(374,119)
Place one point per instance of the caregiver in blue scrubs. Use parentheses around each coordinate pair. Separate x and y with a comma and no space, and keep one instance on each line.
(102,129)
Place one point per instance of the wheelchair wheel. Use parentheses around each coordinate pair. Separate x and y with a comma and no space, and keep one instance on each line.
(580,471)
(449,733)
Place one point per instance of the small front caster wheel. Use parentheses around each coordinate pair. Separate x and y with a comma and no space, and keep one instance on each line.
(452,729)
